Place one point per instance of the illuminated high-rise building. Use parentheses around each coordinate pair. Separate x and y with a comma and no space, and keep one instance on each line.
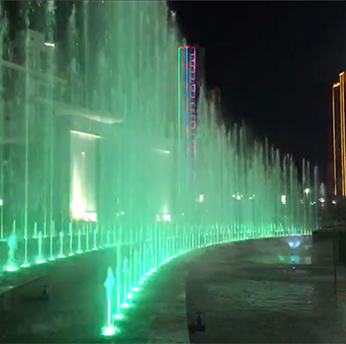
(190,74)
(339,140)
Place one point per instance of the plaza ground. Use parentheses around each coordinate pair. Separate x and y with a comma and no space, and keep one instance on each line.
(259,291)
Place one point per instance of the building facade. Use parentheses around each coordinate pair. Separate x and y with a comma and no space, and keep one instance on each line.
(338,137)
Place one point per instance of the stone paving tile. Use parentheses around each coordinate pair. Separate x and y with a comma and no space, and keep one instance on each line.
(250,299)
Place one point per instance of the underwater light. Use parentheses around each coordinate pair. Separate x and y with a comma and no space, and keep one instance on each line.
(11,268)
(109,330)
(48,44)
(125,305)
(293,244)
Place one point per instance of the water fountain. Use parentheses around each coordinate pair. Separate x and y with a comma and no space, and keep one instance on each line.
(11,264)
(40,258)
(109,285)
(107,159)
(61,253)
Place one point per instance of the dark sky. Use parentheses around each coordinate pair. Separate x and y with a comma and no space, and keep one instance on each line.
(275,63)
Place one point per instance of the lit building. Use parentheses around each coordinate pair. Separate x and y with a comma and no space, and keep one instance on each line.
(190,73)
(52,147)
(39,181)
(339,141)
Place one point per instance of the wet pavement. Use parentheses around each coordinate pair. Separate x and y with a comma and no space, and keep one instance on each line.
(258,291)
(75,311)
(265,292)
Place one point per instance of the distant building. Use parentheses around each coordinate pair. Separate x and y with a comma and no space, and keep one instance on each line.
(339,137)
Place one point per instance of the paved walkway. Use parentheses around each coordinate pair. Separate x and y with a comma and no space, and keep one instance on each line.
(76,309)
(249,293)
(252,293)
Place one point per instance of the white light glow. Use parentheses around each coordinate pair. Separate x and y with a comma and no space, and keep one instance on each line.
(92,136)
(164,151)
(90,217)
(48,44)
(166,217)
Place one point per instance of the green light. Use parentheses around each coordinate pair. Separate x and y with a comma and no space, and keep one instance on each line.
(110,331)
(125,305)
(11,268)
(118,316)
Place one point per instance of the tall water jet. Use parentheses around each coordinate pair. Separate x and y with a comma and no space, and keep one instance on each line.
(12,243)
(3,34)
(27,118)
(120,157)
(40,257)
(109,284)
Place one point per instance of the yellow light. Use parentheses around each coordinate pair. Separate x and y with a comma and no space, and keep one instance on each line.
(342,134)
(334,134)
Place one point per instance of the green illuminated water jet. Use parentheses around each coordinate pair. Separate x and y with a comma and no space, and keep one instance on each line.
(11,264)
(108,152)
(40,258)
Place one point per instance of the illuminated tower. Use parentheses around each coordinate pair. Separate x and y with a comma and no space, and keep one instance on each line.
(339,141)
(188,80)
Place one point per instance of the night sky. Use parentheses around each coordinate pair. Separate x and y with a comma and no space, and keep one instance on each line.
(274,63)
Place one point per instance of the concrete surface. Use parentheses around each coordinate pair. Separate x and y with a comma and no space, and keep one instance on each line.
(251,293)
(76,309)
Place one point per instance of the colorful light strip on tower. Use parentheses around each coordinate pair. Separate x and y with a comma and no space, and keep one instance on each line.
(193,98)
(190,94)
(178,96)
(187,99)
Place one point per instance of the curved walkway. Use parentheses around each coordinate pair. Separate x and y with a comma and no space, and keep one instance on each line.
(76,309)
(249,292)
